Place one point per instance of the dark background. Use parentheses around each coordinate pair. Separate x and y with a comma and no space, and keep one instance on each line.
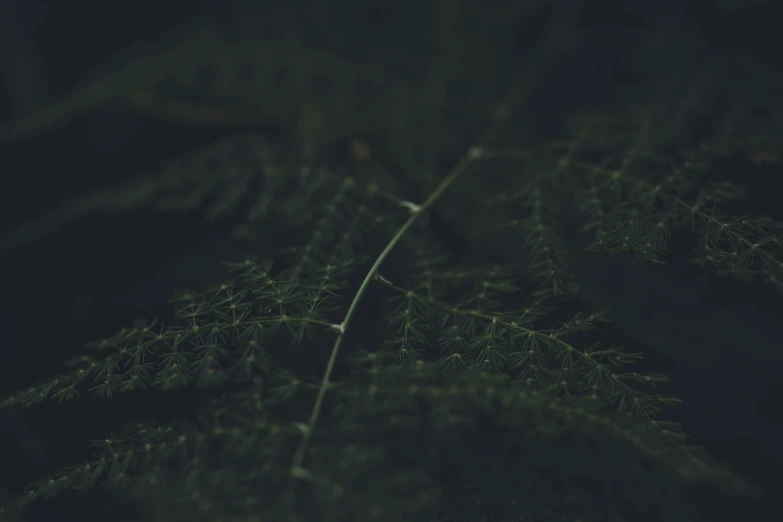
(90,278)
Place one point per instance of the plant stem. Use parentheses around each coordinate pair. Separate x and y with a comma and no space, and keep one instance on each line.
(296,470)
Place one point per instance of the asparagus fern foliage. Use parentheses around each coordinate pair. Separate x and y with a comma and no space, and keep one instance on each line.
(352,367)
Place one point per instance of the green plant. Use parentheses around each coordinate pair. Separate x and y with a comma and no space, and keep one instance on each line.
(496,364)
(484,396)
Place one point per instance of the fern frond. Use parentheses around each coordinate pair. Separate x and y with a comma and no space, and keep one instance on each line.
(486,396)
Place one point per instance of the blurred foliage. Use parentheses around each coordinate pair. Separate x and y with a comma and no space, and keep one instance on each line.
(354,363)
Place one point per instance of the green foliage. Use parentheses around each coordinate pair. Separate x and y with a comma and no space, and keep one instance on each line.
(357,369)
